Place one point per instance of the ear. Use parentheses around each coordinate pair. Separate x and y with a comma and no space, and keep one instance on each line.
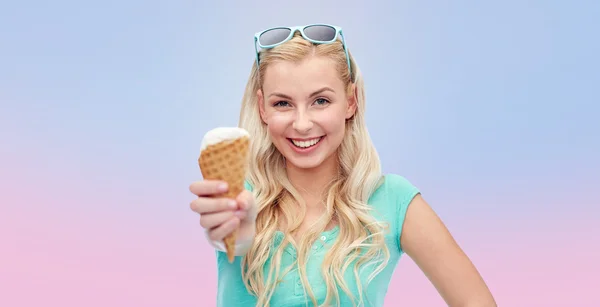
(352,100)
(261,105)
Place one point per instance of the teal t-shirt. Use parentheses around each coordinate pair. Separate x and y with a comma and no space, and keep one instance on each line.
(390,201)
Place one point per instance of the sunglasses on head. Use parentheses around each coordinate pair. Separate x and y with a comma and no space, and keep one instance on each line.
(315,33)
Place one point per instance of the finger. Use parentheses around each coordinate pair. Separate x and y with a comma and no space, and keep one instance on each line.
(222,231)
(208,187)
(212,220)
(246,200)
(241,214)
(205,205)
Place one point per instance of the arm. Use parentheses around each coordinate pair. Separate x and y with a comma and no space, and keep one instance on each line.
(431,246)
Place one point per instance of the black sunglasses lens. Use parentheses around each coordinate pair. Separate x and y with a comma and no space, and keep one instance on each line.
(274,36)
(320,33)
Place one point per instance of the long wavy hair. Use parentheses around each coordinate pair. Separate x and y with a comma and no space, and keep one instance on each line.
(360,240)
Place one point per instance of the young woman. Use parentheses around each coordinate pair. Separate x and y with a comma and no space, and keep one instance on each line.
(319,224)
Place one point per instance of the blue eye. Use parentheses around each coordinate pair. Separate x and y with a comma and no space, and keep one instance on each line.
(281,104)
(321,101)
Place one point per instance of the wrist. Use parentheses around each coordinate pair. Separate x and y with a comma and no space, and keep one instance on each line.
(244,240)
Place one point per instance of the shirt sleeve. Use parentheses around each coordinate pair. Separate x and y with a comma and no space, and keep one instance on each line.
(401,192)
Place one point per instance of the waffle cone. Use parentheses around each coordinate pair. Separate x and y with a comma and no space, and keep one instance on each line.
(227,161)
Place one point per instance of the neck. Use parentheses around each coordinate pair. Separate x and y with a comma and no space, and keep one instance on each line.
(311,183)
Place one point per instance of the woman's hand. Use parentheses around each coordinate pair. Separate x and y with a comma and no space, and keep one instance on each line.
(220,216)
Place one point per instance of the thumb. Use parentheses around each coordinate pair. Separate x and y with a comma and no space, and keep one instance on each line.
(245,200)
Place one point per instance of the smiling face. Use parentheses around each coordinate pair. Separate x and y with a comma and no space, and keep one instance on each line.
(305,106)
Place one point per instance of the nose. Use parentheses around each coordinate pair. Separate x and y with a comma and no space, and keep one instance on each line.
(302,122)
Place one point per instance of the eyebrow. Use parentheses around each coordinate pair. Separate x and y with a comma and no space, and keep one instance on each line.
(320,91)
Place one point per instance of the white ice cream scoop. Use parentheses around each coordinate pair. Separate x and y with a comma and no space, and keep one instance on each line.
(221,134)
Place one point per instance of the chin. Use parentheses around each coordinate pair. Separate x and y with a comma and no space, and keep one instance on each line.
(305,163)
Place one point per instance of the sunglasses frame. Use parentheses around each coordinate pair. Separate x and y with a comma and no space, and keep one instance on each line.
(338,33)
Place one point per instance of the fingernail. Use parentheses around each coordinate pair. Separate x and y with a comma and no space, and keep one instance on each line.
(240,214)
(232,204)
(222,187)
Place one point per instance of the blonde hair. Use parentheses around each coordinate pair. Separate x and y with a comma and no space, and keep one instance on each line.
(360,238)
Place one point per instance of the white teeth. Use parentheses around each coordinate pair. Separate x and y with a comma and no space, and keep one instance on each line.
(305,144)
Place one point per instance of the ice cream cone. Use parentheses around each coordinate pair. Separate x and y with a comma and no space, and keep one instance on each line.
(224,156)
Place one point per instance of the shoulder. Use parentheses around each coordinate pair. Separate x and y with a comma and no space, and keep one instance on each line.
(400,186)
(397,189)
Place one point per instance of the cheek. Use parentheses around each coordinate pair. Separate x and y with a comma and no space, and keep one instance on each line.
(333,122)
(277,124)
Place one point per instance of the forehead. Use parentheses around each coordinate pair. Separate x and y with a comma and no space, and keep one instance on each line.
(300,77)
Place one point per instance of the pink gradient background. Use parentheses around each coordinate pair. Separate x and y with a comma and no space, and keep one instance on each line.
(494,109)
